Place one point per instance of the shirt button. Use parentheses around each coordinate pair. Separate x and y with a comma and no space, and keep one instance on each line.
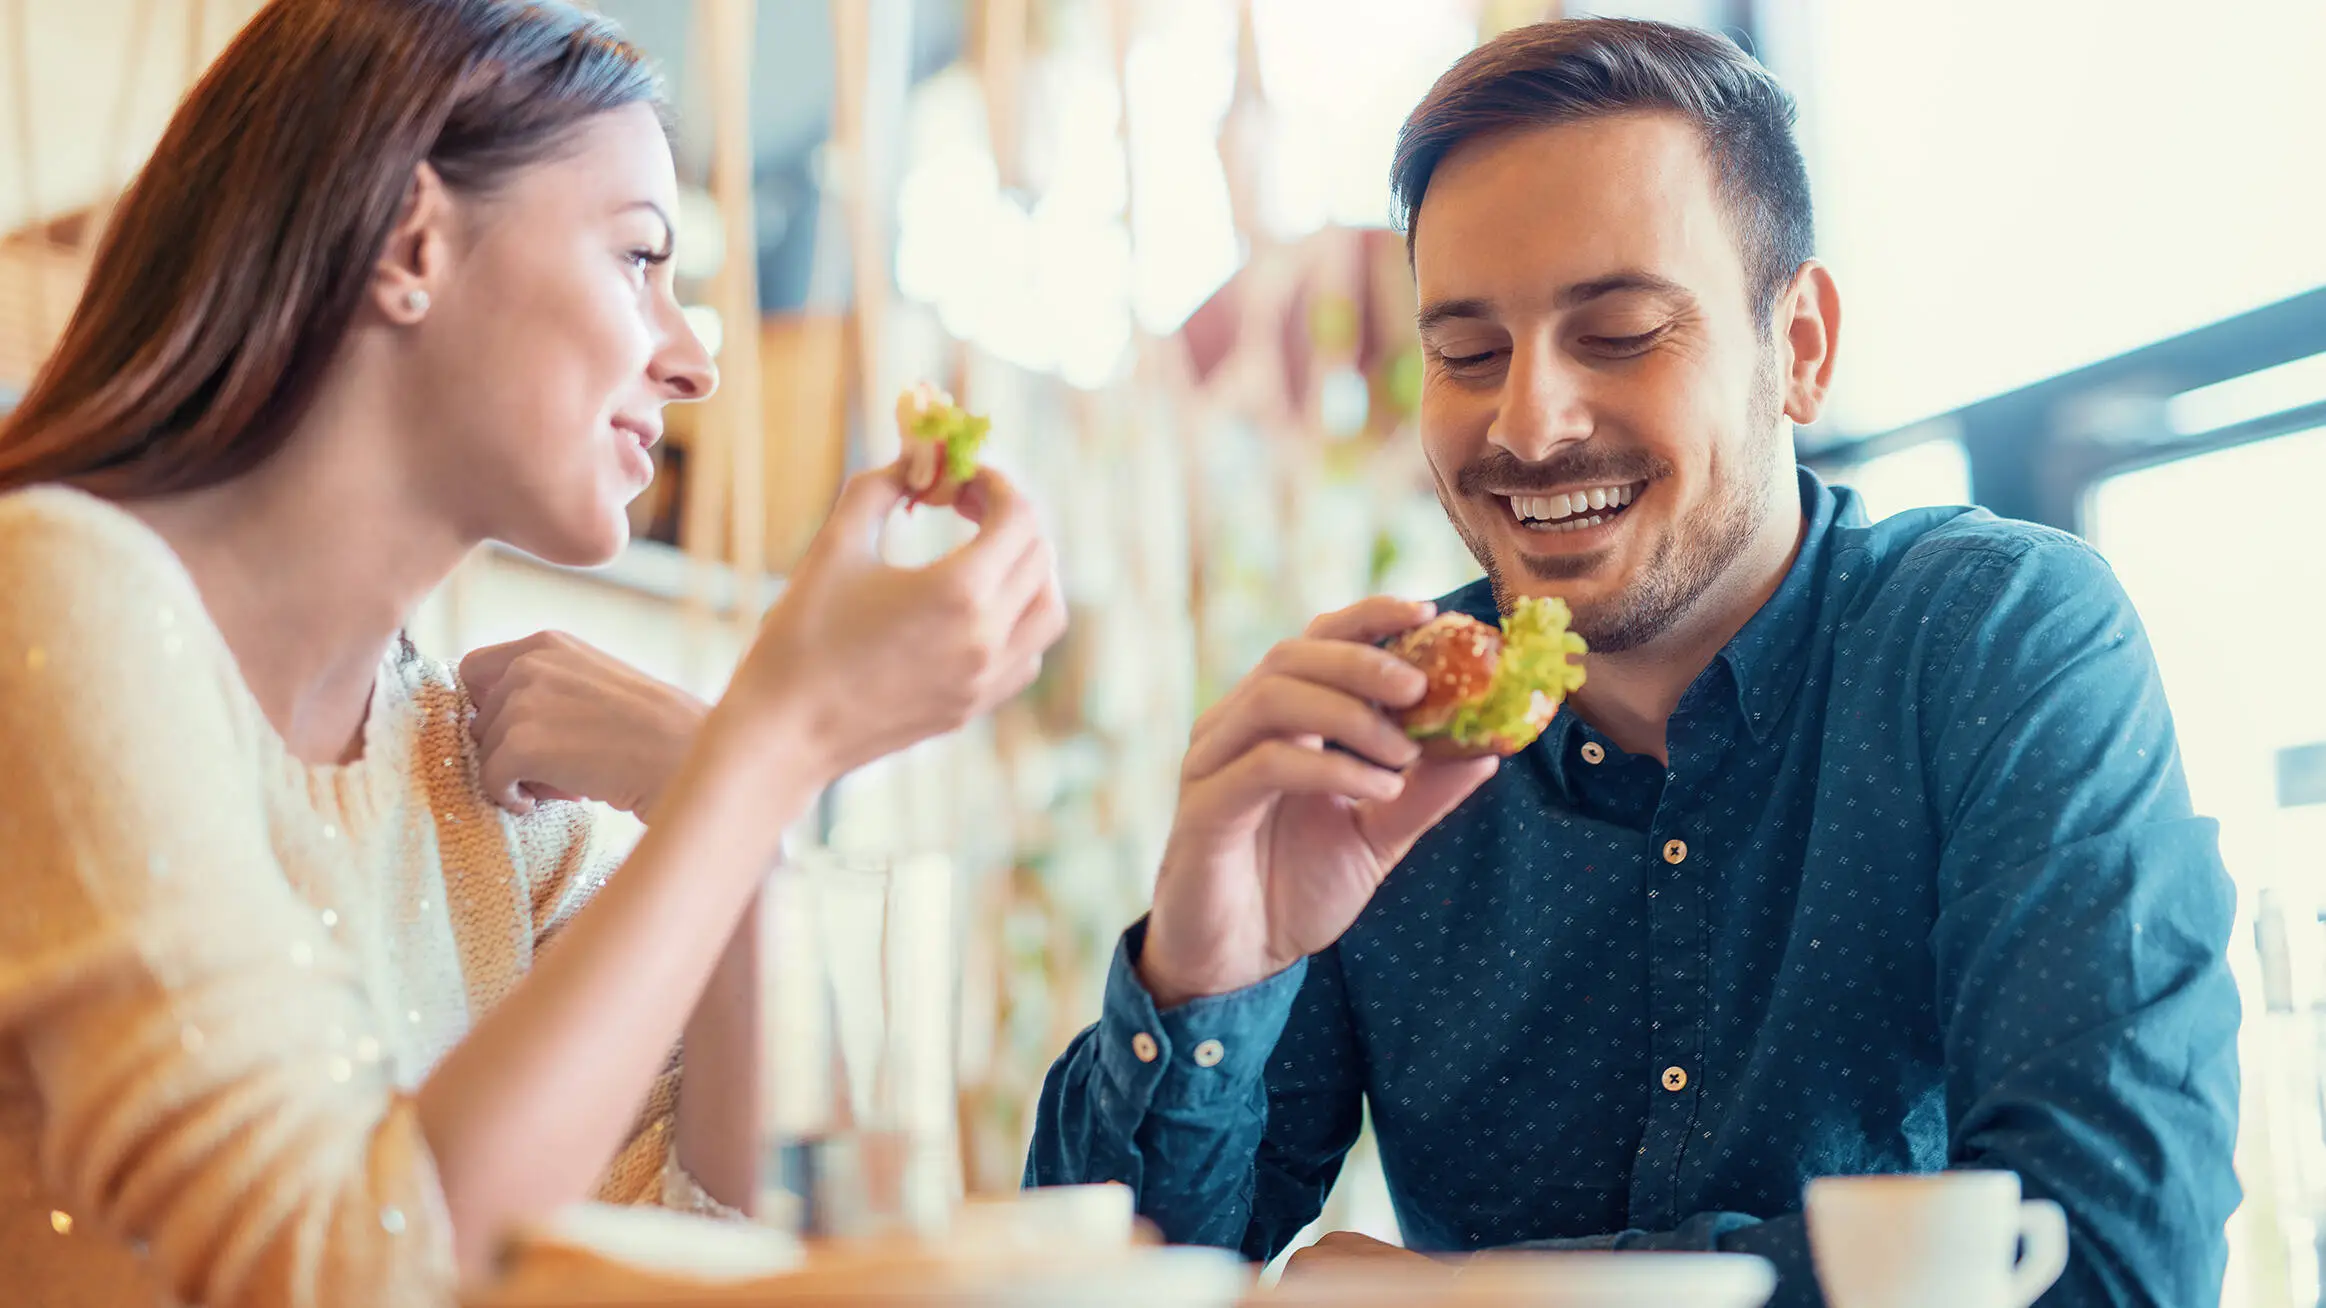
(1675,1079)
(1209,1054)
(1675,851)
(1592,753)
(1143,1045)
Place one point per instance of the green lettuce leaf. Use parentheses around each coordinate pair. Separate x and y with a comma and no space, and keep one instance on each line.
(959,431)
(1536,646)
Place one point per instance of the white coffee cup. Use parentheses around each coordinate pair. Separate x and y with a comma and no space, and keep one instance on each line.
(1945,1240)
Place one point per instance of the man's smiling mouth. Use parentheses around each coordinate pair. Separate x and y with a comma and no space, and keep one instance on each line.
(1575,510)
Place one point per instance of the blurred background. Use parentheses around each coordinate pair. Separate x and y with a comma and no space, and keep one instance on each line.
(2081,243)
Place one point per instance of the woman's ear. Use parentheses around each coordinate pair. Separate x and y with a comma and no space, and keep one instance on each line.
(411,267)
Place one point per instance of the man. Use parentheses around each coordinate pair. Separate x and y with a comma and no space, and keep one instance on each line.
(1865,848)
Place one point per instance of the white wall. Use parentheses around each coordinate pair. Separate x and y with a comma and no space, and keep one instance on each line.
(102,88)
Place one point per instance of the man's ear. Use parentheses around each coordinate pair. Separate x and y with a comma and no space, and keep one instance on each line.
(1809,327)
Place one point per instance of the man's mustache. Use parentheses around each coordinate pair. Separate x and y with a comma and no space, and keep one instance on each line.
(1498,470)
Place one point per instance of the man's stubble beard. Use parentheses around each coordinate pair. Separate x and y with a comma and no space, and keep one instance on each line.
(1686,561)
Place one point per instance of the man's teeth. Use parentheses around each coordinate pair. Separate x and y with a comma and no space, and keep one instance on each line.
(1572,508)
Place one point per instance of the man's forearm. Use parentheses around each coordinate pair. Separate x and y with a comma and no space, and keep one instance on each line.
(1191,1171)
(1174,1105)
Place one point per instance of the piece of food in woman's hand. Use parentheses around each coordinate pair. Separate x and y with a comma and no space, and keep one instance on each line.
(941,442)
(1490,691)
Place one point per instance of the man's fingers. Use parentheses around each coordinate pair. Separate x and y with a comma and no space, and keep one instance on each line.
(1277,707)
(1359,673)
(1433,789)
(1349,667)
(1369,620)
(1279,767)
(1341,1247)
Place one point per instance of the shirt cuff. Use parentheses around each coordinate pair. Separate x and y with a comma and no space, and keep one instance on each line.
(1203,1052)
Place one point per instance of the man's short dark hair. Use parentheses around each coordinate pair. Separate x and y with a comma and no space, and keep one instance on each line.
(1581,68)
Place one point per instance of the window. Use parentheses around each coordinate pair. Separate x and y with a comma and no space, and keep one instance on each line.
(2009,190)
(1934,471)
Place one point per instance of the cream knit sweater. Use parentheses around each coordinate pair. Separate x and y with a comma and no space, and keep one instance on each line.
(224,971)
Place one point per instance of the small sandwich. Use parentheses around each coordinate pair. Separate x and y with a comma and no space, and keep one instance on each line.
(1490,691)
(941,442)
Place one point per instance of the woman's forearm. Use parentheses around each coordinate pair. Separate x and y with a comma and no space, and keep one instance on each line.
(523,1114)
(718,1094)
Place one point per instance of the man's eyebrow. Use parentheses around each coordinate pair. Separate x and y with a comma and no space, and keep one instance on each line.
(1582,293)
(1441,310)
(1569,297)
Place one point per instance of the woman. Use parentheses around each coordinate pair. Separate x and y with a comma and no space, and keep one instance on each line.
(274,1028)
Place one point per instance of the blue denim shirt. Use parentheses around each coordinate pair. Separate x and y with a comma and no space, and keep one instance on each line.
(1920,888)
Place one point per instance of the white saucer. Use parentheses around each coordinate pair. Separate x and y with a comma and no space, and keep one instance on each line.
(1540,1280)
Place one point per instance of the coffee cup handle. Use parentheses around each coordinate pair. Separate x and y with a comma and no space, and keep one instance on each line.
(2043,1225)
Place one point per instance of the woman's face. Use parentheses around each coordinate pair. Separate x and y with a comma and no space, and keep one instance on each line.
(551,342)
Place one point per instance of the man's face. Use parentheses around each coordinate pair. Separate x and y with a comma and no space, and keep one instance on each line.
(1602,406)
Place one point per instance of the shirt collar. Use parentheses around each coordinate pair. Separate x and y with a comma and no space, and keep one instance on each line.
(1767,657)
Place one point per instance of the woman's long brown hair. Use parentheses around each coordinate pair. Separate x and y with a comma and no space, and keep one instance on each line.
(238,258)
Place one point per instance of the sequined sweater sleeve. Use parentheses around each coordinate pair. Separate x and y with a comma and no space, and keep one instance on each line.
(161,984)
(568,867)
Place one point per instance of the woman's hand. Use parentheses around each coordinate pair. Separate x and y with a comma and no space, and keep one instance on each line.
(560,719)
(859,658)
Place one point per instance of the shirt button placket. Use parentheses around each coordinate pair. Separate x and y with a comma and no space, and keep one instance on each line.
(1676,932)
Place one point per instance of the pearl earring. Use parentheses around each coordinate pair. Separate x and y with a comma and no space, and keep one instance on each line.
(415,301)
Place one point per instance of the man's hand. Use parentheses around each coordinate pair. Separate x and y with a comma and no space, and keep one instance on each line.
(1340,1249)
(1280,841)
